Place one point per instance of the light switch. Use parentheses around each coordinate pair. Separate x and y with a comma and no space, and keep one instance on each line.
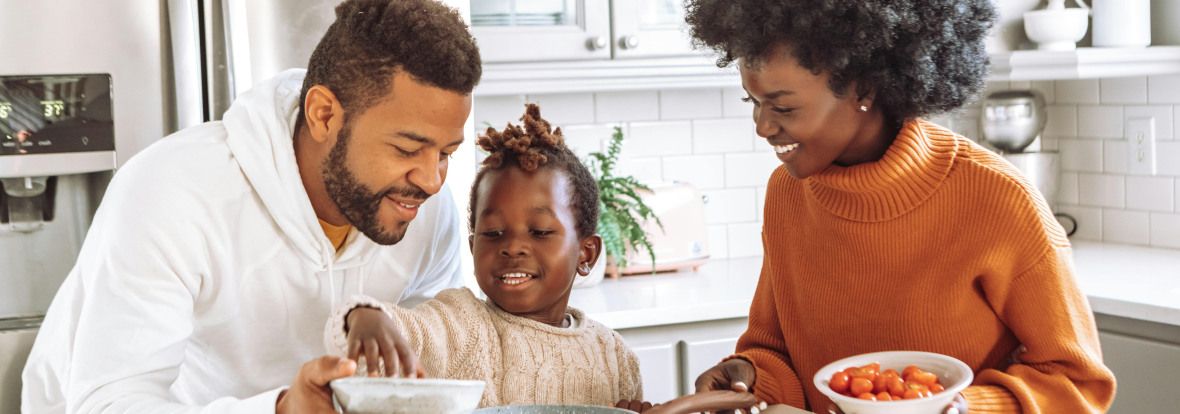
(1140,135)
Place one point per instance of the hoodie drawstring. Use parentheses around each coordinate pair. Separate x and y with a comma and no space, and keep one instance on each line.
(332,285)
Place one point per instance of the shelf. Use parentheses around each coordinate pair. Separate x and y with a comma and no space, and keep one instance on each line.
(605,76)
(700,71)
(1085,63)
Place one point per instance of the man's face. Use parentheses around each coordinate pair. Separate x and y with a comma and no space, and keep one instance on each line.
(388,159)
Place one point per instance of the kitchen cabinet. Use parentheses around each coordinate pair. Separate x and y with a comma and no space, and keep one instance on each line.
(547,30)
(1145,357)
(672,356)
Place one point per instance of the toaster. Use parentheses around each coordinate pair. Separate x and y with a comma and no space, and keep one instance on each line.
(683,242)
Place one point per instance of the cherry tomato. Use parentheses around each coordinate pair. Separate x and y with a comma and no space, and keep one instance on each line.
(924,377)
(909,369)
(867,396)
(839,382)
(884,396)
(860,386)
(895,386)
(936,388)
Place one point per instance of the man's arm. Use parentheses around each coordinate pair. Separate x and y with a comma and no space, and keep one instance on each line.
(130,314)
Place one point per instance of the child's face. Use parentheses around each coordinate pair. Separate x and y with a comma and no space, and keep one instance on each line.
(526,247)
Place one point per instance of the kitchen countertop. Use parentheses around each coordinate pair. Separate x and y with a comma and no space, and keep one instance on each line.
(1120,280)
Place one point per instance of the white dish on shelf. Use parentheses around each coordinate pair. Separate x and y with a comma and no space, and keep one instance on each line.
(1057,27)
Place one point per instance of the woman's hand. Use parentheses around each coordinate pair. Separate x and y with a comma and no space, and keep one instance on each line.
(958,406)
(735,374)
(371,333)
(710,401)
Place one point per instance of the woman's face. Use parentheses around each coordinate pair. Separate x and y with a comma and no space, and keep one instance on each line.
(806,124)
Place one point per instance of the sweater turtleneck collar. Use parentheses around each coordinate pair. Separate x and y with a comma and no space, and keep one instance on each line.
(913,167)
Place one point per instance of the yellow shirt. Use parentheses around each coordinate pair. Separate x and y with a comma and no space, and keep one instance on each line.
(336,234)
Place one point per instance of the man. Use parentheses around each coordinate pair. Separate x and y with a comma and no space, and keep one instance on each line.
(219,252)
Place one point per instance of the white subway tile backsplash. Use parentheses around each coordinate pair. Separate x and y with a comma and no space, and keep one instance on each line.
(1131,90)
(718,241)
(1098,190)
(646,170)
(750,170)
(565,108)
(1150,193)
(626,106)
(584,139)
(498,111)
(1046,90)
(1125,226)
(1100,121)
(730,206)
(1114,157)
(1163,89)
(1081,155)
(1062,122)
(1077,91)
(722,135)
(1067,190)
(1167,158)
(658,138)
(703,171)
(761,203)
(745,240)
(1089,221)
(732,105)
(690,104)
(1165,230)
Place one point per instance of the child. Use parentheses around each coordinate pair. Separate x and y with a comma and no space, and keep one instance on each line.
(534,208)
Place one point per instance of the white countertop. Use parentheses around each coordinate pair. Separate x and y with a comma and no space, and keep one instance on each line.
(1128,281)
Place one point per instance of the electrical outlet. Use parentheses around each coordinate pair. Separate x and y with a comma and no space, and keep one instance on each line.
(1140,134)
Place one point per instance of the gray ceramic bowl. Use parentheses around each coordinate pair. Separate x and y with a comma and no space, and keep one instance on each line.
(361,395)
(552,409)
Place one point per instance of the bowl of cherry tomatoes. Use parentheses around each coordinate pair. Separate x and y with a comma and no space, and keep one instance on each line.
(894,382)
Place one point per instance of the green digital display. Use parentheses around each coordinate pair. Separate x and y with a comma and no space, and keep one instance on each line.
(52,109)
(5,109)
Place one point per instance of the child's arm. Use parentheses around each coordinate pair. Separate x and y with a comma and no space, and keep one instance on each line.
(437,332)
(363,326)
(630,380)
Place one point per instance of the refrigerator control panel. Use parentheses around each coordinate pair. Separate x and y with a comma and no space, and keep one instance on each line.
(54,114)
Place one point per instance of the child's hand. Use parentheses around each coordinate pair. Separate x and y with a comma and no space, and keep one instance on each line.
(371,333)
(634,405)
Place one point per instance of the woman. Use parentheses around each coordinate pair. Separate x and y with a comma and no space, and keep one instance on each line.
(884,231)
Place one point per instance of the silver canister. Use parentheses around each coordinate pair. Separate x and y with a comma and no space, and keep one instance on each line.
(1011,120)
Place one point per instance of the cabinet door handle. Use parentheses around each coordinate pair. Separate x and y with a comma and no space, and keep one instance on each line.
(629,42)
(597,42)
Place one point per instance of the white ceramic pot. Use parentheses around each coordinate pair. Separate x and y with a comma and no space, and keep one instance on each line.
(1122,23)
(1056,29)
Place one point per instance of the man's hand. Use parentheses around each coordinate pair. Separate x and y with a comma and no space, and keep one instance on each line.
(710,401)
(372,334)
(309,392)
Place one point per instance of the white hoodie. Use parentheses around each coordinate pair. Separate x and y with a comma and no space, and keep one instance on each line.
(205,279)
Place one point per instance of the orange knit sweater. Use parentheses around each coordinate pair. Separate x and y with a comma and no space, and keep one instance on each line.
(939,246)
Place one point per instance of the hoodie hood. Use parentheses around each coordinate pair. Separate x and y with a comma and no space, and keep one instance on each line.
(260,127)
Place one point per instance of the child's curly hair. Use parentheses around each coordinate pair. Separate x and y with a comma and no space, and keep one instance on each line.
(533,147)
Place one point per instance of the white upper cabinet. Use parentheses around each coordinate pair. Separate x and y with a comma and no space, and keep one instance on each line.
(649,28)
(519,31)
(541,30)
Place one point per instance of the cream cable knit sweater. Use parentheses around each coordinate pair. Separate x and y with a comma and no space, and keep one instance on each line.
(459,336)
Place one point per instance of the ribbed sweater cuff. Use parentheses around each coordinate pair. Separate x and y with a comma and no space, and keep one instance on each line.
(990,399)
(771,388)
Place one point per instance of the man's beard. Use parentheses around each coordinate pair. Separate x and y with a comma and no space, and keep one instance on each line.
(359,204)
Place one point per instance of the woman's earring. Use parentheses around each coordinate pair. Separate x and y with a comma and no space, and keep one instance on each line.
(863,108)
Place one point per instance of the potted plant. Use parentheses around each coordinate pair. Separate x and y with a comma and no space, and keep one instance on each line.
(622,211)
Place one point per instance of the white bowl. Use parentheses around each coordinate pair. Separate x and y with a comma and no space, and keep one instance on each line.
(364,395)
(1056,29)
(952,373)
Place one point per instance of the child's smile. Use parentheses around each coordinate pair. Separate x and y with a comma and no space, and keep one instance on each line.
(526,247)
